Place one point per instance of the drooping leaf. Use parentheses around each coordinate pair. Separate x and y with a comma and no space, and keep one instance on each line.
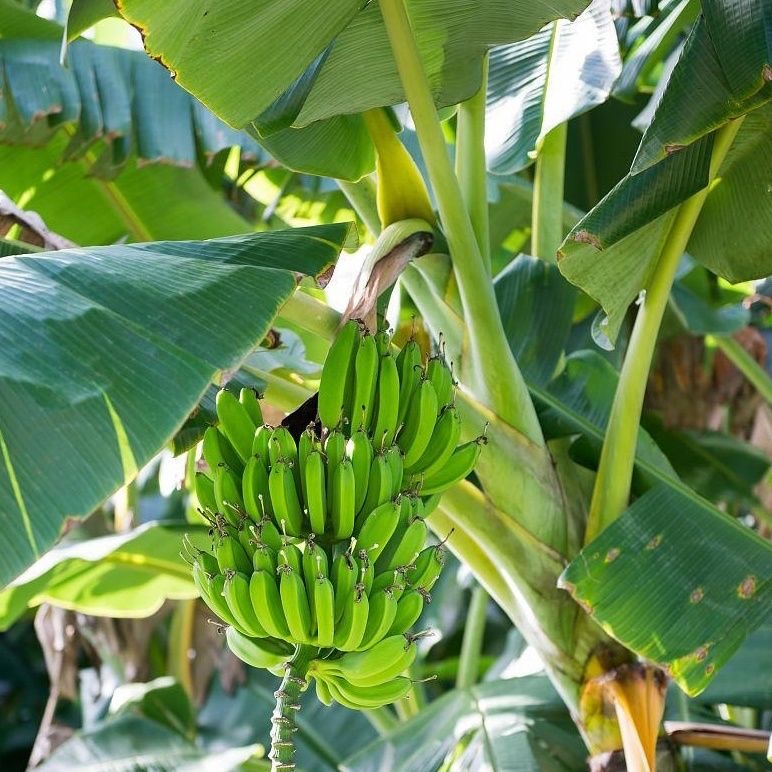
(124,575)
(104,351)
(211,49)
(696,583)
(723,73)
(541,82)
(110,94)
(128,743)
(515,724)
(700,318)
(85,14)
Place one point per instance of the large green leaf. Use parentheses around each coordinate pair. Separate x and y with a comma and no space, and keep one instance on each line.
(212,49)
(676,581)
(110,94)
(539,83)
(516,724)
(124,575)
(104,351)
(144,203)
(129,743)
(17,21)
(723,73)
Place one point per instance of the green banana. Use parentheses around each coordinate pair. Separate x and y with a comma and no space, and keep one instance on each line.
(282,446)
(246,537)
(218,451)
(337,382)
(315,563)
(419,422)
(267,653)
(360,450)
(227,494)
(207,562)
(349,632)
(381,615)
(344,577)
(386,660)
(396,464)
(365,698)
(409,608)
(249,399)
(294,601)
(430,503)
(379,486)
(427,568)
(261,444)
(456,468)
(409,364)
(231,555)
(205,492)
(334,450)
(266,600)
(255,490)
(324,611)
(384,420)
(316,492)
(323,692)
(438,372)
(382,341)
(385,580)
(284,498)
(265,559)
(236,594)
(306,445)
(366,570)
(235,423)
(268,534)
(377,528)
(289,555)
(210,587)
(365,381)
(441,446)
(343,492)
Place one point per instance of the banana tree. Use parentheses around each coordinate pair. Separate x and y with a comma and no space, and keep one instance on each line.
(584,568)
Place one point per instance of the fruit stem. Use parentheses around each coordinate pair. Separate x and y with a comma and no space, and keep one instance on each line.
(471,645)
(287,705)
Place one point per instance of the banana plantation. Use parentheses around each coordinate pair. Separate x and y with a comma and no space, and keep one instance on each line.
(385,385)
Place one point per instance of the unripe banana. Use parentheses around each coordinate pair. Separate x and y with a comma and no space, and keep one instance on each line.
(428,566)
(395,459)
(324,611)
(383,662)
(265,559)
(441,446)
(343,492)
(409,608)
(323,692)
(379,486)
(456,468)
(218,451)
(334,450)
(315,563)
(386,580)
(365,381)
(261,443)
(294,601)
(337,382)
(377,528)
(360,450)
(207,562)
(306,444)
(349,632)
(366,570)
(227,494)
(384,419)
(430,503)
(344,577)
(248,398)
(438,372)
(401,190)
(382,341)
(267,653)
(236,594)
(230,555)
(255,490)
(284,498)
(210,587)
(367,698)
(266,600)
(268,533)
(205,492)
(235,423)
(290,555)
(409,364)
(381,615)
(282,446)
(246,537)
(419,422)
(316,492)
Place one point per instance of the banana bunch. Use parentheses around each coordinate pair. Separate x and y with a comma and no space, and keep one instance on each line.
(319,541)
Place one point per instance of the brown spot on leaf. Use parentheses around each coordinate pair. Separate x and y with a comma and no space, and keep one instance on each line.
(766,73)
(673,148)
(697,595)
(655,542)
(612,555)
(586,606)
(747,588)
(700,653)
(585,237)
(709,670)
